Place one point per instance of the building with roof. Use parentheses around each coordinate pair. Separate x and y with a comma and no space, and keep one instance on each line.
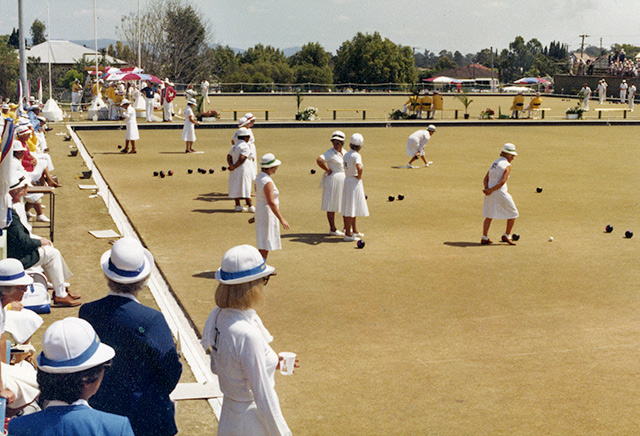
(66,54)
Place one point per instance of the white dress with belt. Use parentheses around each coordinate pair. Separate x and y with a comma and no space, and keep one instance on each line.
(333,184)
(132,124)
(189,129)
(354,203)
(241,178)
(267,224)
(245,365)
(499,204)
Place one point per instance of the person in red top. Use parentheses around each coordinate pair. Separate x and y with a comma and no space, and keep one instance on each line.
(166,98)
(37,170)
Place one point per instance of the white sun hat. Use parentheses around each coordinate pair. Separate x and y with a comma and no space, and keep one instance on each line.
(339,135)
(509,148)
(72,345)
(18,181)
(18,146)
(242,131)
(242,122)
(127,262)
(269,161)
(242,264)
(357,139)
(192,101)
(12,273)
(249,116)
(124,101)
(431,128)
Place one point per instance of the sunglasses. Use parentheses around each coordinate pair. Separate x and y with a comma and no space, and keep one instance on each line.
(265,280)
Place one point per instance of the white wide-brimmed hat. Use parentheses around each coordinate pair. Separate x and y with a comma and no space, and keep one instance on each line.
(357,139)
(509,148)
(127,262)
(72,345)
(5,106)
(249,116)
(22,129)
(242,264)
(269,161)
(431,128)
(243,131)
(242,122)
(124,101)
(192,101)
(18,181)
(339,135)
(12,273)
(17,146)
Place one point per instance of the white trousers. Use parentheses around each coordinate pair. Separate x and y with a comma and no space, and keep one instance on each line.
(167,109)
(148,105)
(55,268)
(75,101)
(21,379)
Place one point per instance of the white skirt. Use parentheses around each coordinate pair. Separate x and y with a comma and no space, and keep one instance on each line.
(332,188)
(500,206)
(132,133)
(353,202)
(240,419)
(189,132)
(267,228)
(240,181)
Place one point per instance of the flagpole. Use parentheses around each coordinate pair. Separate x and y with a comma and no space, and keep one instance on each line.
(95,36)
(139,44)
(23,56)
(49,53)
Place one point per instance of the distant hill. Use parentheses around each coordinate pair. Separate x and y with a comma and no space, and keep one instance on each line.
(102,43)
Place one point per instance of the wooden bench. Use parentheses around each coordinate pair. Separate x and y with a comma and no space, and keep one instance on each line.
(235,112)
(540,110)
(335,112)
(612,109)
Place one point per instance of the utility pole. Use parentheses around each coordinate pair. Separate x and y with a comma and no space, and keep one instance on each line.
(22,48)
(582,45)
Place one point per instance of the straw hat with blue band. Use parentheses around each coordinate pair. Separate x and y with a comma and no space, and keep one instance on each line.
(242,264)
(72,345)
(127,262)
(12,273)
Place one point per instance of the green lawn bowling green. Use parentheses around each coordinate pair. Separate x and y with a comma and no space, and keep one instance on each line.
(423,331)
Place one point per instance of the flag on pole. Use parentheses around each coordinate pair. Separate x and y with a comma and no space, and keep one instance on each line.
(39,95)
(6,170)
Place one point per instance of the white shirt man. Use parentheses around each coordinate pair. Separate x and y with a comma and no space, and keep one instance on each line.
(632,95)
(586,95)
(623,91)
(602,91)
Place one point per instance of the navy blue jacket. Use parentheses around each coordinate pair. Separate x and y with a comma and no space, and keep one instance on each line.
(77,420)
(146,367)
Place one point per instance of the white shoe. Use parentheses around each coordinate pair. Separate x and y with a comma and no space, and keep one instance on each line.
(359,235)
(43,219)
(237,209)
(351,238)
(31,214)
(252,209)
(428,163)
(336,233)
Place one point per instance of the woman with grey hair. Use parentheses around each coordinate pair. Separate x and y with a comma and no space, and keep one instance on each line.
(142,340)
(240,352)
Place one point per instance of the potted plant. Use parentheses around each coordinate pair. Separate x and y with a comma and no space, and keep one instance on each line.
(208,116)
(487,114)
(309,114)
(466,101)
(574,113)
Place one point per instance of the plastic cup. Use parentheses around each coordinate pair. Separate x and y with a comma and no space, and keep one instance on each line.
(287,363)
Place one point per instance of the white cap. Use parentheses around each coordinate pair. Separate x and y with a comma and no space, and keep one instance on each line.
(269,161)
(127,262)
(509,149)
(357,139)
(72,345)
(243,131)
(12,273)
(124,101)
(242,264)
(431,128)
(339,135)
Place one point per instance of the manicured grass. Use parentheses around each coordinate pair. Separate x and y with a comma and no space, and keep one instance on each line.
(423,331)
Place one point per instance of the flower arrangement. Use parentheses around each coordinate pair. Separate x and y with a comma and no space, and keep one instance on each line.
(308,114)
(208,114)
(575,110)
(487,114)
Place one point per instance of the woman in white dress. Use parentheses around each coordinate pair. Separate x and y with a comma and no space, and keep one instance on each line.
(241,355)
(354,203)
(498,203)
(332,163)
(240,171)
(250,120)
(189,129)
(132,135)
(268,216)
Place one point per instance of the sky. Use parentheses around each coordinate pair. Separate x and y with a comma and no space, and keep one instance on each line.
(464,25)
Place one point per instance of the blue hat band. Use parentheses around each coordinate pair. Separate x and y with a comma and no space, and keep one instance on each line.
(241,274)
(12,277)
(76,361)
(124,272)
